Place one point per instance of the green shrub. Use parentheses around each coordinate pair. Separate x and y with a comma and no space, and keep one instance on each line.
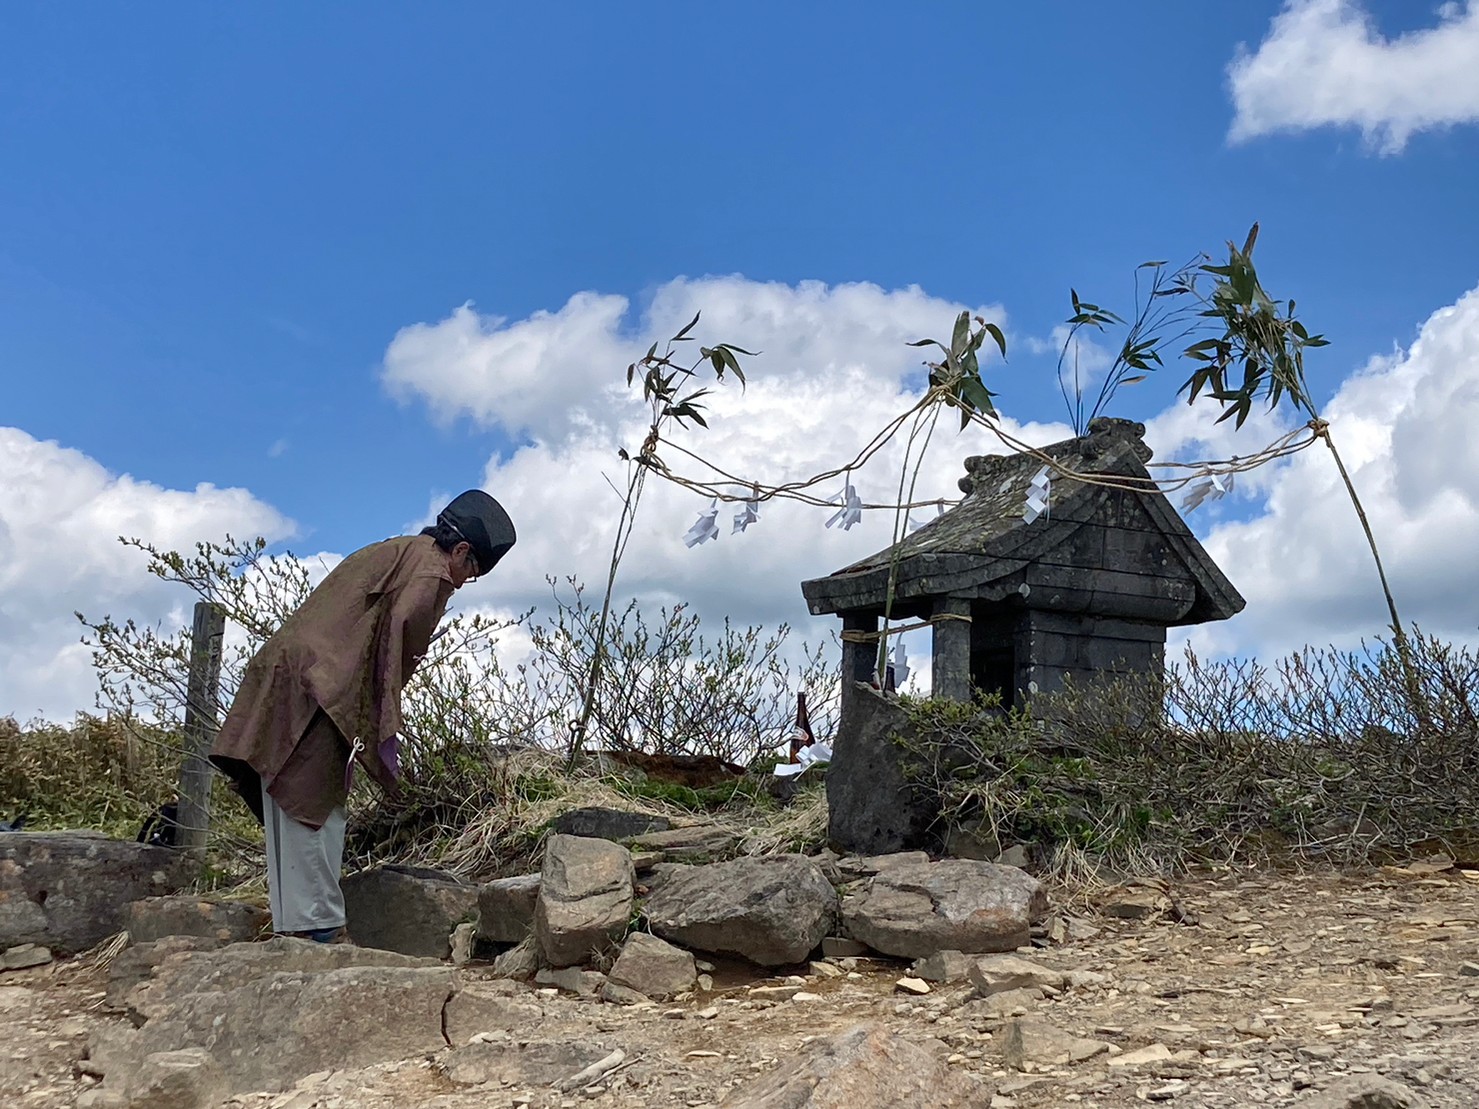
(1316,757)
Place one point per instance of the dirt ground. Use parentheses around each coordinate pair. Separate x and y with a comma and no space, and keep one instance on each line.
(1285,982)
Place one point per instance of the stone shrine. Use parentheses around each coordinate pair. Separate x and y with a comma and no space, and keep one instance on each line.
(1086,588)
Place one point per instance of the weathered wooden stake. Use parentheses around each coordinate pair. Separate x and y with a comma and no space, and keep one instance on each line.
(202,703)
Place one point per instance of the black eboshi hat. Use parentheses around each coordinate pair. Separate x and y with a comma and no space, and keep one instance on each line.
(480,520)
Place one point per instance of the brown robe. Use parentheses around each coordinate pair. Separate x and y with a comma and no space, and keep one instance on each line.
(331,676)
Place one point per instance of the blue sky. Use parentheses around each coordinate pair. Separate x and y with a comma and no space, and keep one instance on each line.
(215,221)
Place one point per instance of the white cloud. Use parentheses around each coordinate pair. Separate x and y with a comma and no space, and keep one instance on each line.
(526,377)
(1325,63)
(61,514)
(834,370)
(1404,427)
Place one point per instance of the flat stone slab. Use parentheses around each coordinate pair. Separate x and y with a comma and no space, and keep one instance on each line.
(177,968)
(270,1013)
(1025,1042)
(995,974)
(153,918)
(26,955)
(867,1067)
(503,1063)
(596,822)
(483,1007)
(698,841)
(135,964)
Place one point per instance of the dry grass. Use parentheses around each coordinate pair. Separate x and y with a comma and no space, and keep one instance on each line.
(500,828)
(105,773)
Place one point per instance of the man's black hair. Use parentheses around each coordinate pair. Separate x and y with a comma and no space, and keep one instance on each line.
(446,537)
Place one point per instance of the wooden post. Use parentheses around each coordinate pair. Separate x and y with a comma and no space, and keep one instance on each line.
(202,703)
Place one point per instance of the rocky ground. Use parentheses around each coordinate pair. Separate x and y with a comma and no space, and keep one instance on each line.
(1268,989)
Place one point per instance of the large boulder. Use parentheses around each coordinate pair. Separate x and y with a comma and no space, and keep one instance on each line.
(506,908)
(654,967)
(917,909)
(867,1067)
(585,898)
(771,910)
(153,918)
(411,910)
(69,890)
(265,1027)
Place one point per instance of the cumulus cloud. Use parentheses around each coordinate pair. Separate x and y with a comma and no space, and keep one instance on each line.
(519,376)
(1325,63)
(60,517)
(1404,427)
(834,369)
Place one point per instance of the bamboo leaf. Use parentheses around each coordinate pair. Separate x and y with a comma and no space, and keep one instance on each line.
(1001,340)
(732,362)
(961,334)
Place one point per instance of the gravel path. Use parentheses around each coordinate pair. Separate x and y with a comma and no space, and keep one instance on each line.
(1283,984)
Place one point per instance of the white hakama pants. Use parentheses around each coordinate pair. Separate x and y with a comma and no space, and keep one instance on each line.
(303,866)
